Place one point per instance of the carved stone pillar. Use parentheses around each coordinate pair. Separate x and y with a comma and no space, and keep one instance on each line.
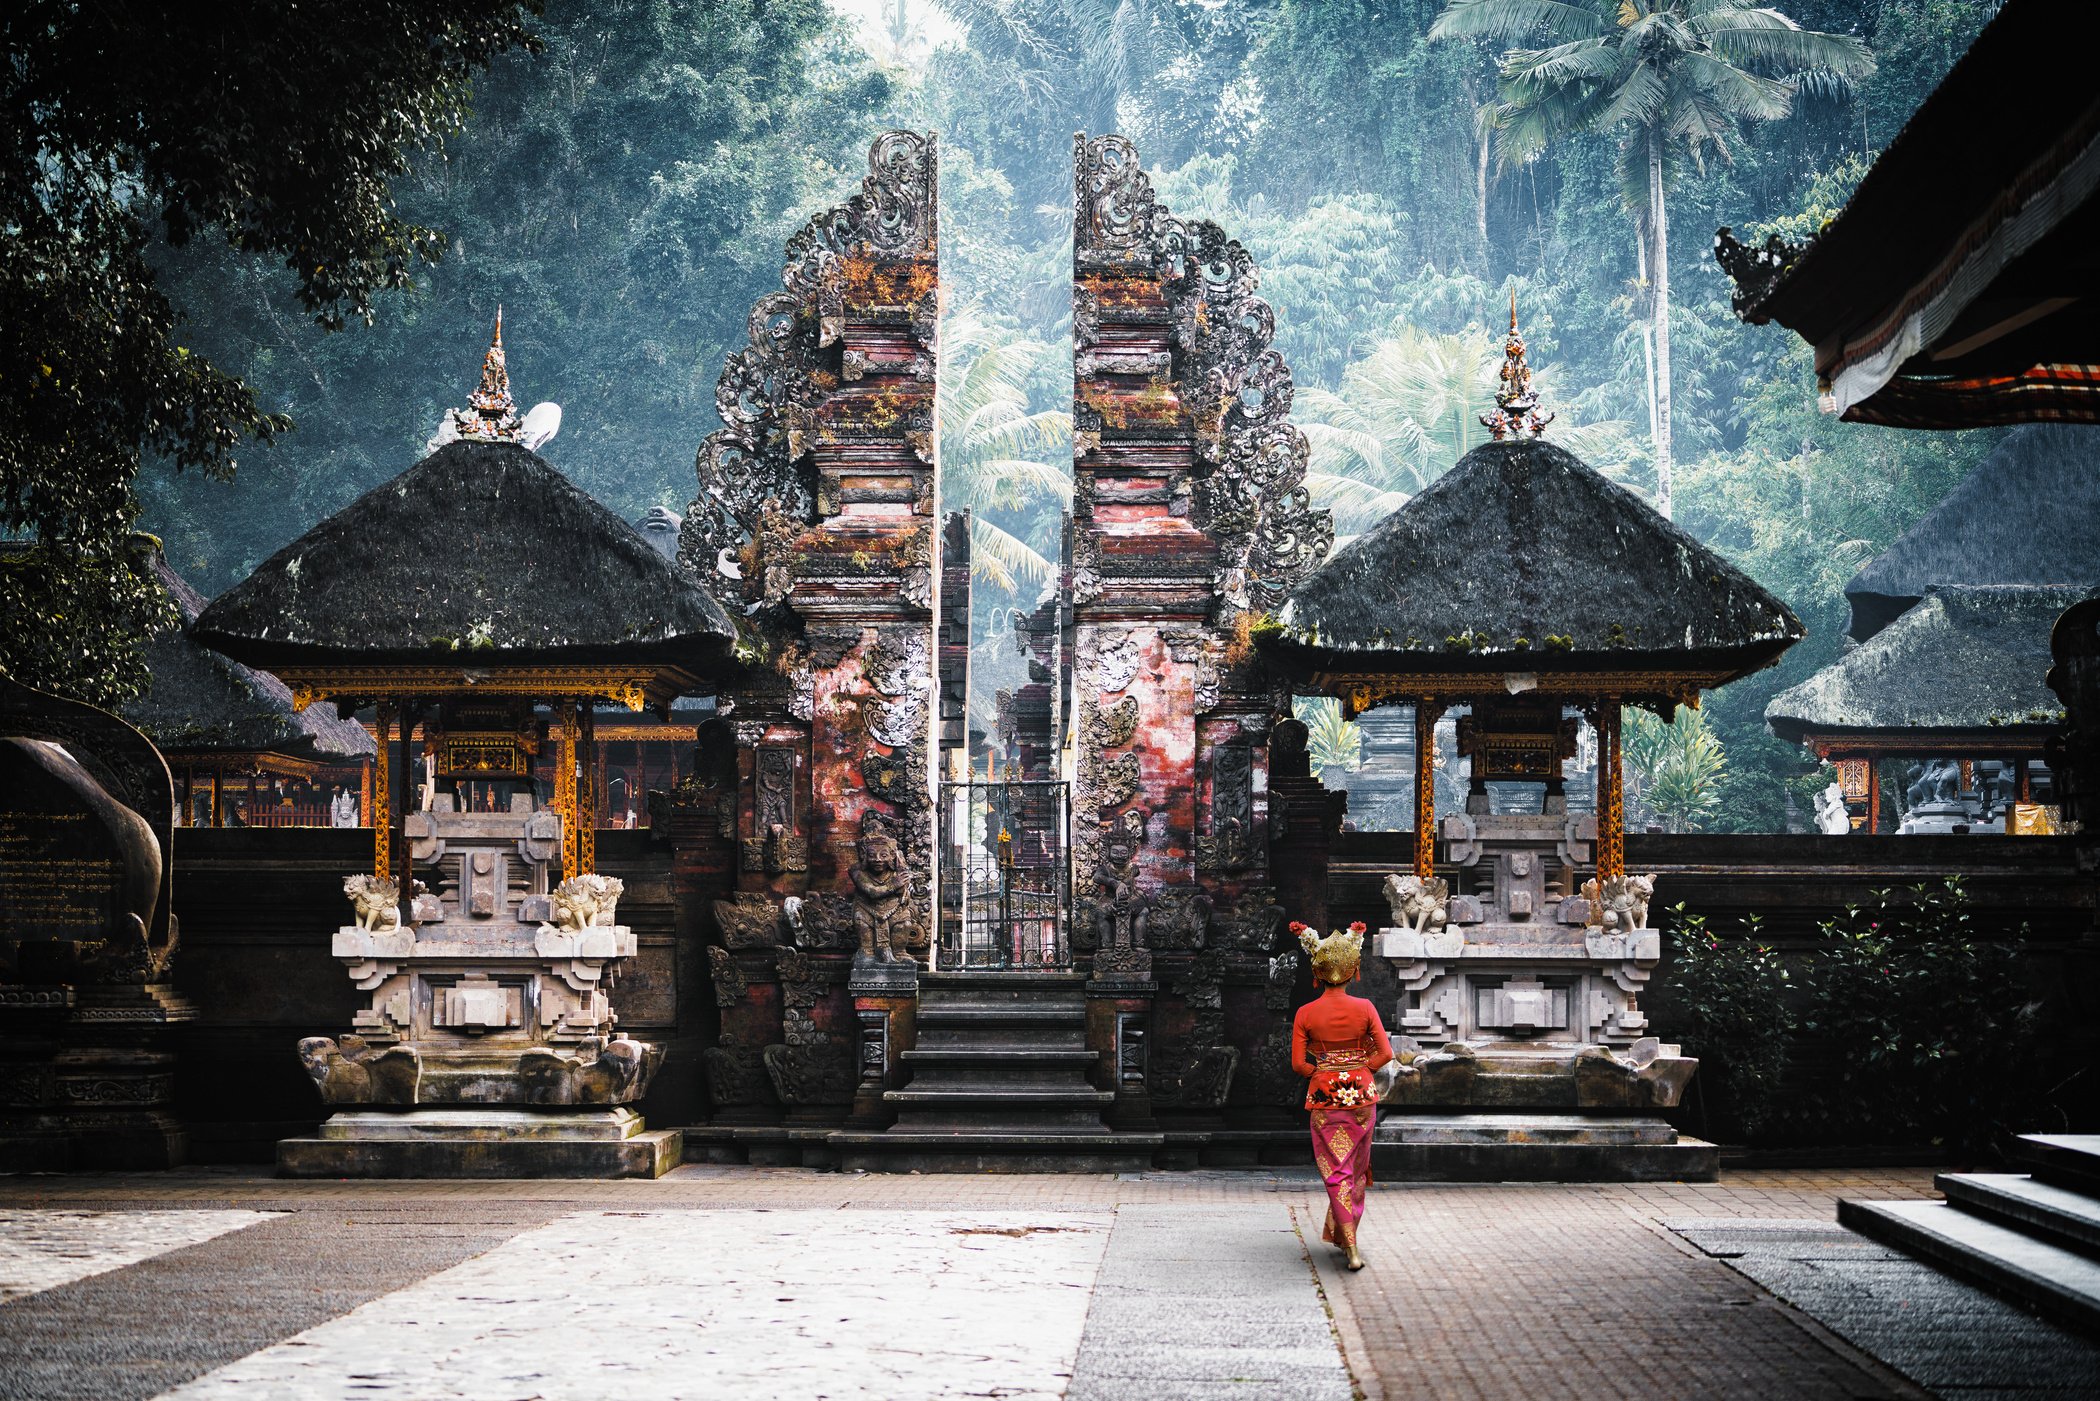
(885,1005)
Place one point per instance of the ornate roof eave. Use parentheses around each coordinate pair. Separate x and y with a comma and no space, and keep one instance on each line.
(636,687)
(1985,742)
(1360,691)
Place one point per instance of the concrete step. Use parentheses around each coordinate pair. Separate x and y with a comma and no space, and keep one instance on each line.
(980,1015)
(2055,1214)
(1006,1056)
(976,1151)
(2050,1279)
(2066,1159)
(992,1099)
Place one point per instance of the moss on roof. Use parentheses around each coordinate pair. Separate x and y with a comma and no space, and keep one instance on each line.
(1967,658)
(480,551)
(1522,557)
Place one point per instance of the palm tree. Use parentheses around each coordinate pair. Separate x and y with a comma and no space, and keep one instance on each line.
(996,453)
(1675,77)
(1403,415)
(1677,767)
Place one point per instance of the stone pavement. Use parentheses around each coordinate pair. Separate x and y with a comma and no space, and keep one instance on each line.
(751,1282)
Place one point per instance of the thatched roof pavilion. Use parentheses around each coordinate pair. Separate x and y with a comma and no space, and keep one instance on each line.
(2028,515)
(1521,582)
(479,566)
(481,581)
(1963,673)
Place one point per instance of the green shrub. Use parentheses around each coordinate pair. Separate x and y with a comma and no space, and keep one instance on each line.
(1733,1015)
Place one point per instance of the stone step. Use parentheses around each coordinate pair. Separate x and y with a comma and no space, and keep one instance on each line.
(2056,1214)
(2066,1159)
(977,1151)
(2050,1279)
(1008,1056)
(994,1099)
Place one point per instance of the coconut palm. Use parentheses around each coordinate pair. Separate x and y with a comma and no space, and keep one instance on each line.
(1334,743)
(1403,415)
(1676,79)
(997,453)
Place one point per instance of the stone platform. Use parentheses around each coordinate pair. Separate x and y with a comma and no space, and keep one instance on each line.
(1537,1148)
(495,1142)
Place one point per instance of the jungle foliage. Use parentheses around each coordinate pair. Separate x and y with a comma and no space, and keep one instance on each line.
(624,194)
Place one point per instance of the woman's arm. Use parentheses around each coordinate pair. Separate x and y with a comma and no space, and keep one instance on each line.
(1382,1048)
(1299,1061)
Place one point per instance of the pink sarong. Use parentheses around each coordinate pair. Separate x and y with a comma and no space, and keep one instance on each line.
(1342,1148)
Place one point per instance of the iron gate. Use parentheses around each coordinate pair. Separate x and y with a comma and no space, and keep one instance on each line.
(1005,876)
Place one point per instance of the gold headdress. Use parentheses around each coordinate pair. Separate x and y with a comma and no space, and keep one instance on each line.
(1334,958)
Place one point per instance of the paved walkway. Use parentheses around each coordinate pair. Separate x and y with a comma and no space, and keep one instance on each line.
(743,1282)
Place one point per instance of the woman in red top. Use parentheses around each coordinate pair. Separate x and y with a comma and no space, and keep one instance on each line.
(1337,1042)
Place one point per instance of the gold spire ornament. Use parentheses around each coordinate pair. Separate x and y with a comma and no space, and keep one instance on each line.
(491,415)
(1516,402)
(1335,958)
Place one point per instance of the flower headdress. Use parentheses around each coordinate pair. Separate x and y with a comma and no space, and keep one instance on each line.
(1334,958)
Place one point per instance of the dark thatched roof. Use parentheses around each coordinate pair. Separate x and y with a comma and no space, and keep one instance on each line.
(2028,514)
(1967,658)
(201,702)
(1522,558)
(481,552)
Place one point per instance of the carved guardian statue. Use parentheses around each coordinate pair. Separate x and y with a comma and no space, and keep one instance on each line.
(1418,905)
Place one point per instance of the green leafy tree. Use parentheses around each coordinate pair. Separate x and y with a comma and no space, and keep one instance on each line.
(997,451)
(1677,78)
(1677,769)
(1728,1003)
(275,131)
(1334,744)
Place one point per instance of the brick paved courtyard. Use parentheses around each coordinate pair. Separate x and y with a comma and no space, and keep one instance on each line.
(751,1282)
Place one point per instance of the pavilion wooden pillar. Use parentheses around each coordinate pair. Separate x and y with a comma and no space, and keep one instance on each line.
(1873,794)
(586,788)
(364,794)
(565,789)
(2024,768)
(218,818)
(1427,712)
(396,827)
(379,811)
(189,796)
(1611,794)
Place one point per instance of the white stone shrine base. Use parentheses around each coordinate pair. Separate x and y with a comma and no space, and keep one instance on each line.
(736,1303)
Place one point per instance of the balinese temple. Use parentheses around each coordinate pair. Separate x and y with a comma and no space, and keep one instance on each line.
(1951,623)
(483,596)
(242,754)
(1959,682)
(1533,593)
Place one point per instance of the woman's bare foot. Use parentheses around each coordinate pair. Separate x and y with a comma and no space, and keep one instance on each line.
(1356,1260)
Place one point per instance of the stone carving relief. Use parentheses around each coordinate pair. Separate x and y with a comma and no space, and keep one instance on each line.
(1112,726)
(749,920)
(882,895)
(1418,905)
(1121,911)
(1251,499)
(896,722)
(730,982)
(1228,844)
(809,1066)
(777,844)
(1118,783)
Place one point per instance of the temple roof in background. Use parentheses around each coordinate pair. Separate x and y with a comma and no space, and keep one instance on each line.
(1964,660)
(1947,293)
(201,702)
(2028,514)
(479,555)
(1523,559)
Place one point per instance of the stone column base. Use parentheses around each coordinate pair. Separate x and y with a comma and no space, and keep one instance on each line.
(491,1142)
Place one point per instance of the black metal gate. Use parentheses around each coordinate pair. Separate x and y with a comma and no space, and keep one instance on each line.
(1006,879)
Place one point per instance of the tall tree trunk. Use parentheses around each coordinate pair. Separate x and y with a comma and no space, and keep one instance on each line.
(1658,222)
(1480,198)
(1640,268)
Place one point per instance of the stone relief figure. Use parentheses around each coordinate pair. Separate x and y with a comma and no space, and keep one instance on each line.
(601,1072)
(1418,905)
(583,901)
(377,901)
(1832,819)
(1937,782)
(1621,903)
(881,893)
(1122,914)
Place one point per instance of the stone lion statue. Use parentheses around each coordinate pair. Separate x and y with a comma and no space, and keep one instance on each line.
(582,901)
(1419,905)
(1622,902)
(377,901)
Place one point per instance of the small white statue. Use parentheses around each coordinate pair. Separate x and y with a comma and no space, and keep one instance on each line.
(1832,818)
(342,809)
(583,901)
(1418,905)
(1622,903)
(377,901)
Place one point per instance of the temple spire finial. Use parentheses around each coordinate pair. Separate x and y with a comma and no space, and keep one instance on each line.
(491,415)
(1516,402)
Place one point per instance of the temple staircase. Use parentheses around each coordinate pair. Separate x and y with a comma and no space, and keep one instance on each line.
(1001,1082)
(2033,1238)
